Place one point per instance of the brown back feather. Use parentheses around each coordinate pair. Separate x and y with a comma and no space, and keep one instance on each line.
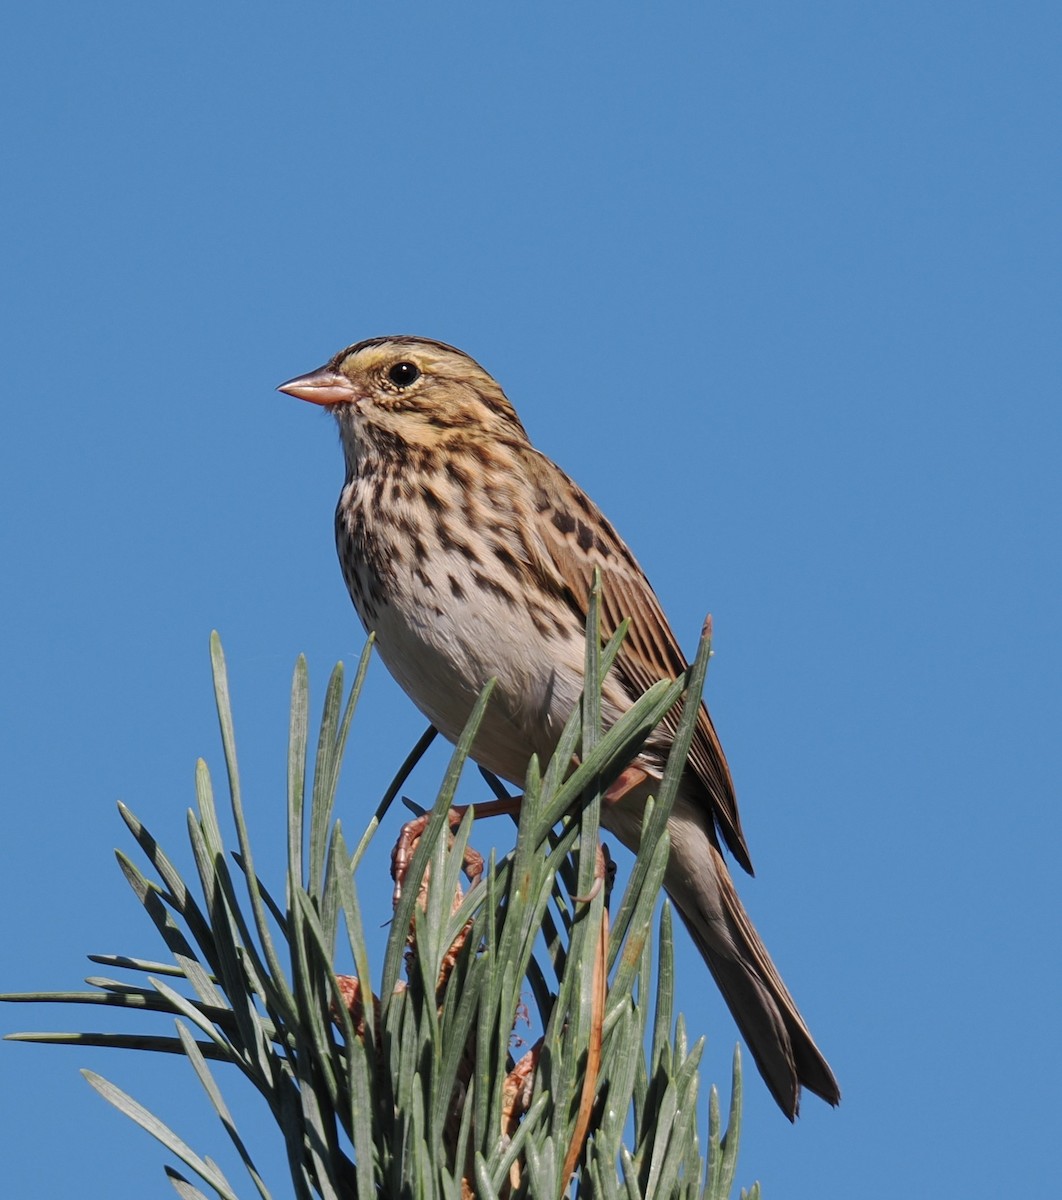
(575,538)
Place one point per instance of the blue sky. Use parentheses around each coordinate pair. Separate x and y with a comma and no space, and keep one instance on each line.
(779,285)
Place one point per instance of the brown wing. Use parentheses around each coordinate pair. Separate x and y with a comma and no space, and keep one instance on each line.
(574,537)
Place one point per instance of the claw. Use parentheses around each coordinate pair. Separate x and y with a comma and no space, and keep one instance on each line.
(604,873)
(412,832)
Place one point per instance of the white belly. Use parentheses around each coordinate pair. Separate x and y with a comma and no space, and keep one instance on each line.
(443,661)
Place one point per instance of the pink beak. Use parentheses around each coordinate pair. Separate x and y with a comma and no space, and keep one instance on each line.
(322,386)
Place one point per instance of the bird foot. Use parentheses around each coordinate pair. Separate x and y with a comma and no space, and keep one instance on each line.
(628,778)
(604,874)
(412,832)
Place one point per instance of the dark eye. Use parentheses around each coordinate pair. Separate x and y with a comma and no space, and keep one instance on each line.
(402,374)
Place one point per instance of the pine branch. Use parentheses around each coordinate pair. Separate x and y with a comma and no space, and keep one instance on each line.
(418,1088)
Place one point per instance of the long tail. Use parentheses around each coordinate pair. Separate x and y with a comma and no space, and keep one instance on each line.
(699,884)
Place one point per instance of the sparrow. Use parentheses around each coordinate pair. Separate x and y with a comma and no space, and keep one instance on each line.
(470,555)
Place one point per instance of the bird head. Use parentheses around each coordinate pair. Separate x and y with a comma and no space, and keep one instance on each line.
(414,389)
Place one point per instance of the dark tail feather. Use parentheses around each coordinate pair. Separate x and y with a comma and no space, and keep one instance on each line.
(780,1042)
